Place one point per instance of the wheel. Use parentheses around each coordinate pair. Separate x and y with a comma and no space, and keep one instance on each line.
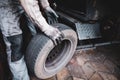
(44,59)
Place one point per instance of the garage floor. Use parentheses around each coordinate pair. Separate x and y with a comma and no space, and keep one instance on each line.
(101,63)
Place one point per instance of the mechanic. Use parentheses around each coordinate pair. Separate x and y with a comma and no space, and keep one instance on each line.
(10,13)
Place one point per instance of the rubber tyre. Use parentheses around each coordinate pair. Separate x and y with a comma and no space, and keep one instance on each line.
(40,48)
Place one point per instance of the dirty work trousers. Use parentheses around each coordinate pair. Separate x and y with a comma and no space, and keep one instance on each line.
(15,57)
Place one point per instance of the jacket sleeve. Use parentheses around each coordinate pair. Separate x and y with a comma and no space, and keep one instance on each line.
(44,3)
(32,9)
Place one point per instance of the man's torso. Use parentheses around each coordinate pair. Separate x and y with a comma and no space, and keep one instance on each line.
(10,11)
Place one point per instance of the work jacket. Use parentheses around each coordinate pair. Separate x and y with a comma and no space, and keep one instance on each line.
(11,10)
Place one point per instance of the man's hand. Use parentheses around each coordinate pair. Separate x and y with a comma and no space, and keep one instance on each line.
(54,34)
(50,15)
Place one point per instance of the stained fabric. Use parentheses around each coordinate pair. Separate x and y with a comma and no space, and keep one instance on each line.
(10,11)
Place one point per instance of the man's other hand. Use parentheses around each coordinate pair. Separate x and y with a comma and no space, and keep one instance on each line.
(54,34)
(50,15)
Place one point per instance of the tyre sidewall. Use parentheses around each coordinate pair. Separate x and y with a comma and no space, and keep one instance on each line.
(40,70)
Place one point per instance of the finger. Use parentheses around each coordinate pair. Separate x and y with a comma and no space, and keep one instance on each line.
(59,33)
(55,14)
(56,20)
(58,40)
(53,19)
(47,14)
(61,39)
(62,35)
(54,41)
(49,20)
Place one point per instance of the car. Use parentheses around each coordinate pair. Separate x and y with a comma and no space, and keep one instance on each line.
(96,22)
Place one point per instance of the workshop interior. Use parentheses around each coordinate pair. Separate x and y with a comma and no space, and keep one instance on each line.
(90,27)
